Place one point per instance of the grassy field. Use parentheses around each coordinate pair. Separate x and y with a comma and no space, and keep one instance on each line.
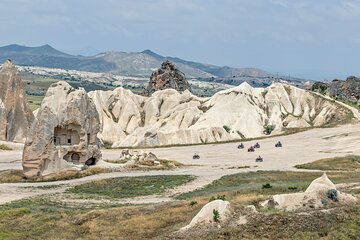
(347,163)
(126,187)
(16,176)
(34,102)
(252,183)
(47,218)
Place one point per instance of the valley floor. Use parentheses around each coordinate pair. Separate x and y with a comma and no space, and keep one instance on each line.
(155,204)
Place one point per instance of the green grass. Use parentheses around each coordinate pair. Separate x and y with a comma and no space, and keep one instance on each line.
(347,163)
(281,182)
(16,176)
(34,101)
(126,187)
(4,147)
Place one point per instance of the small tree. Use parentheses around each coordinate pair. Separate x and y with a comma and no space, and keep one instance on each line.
(268,129)
(216,215)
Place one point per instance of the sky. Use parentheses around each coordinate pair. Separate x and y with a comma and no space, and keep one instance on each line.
(314,39)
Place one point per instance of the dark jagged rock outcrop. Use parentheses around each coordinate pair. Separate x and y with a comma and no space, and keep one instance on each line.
(168,76)
(15,115)
(348,89)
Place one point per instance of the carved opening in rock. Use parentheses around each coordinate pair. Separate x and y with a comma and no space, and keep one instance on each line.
(67,135)
(91,161)
(73,157)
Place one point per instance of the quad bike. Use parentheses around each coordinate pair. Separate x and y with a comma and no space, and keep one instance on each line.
(196,156)
(278,144)
(241,146)
(257,145)
(251,149)
(259,159)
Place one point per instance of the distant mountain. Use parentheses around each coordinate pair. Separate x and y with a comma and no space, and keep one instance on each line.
(133,64)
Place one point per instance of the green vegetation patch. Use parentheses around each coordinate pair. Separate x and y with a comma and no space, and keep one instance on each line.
(4,147)
(347,163)
(126,187)
(280,182)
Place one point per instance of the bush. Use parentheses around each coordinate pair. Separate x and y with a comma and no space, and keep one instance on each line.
(333,195)
(192,203)
(267,185)
(292,188)
(226,128)
(216,215)
(268,129)
(218,197)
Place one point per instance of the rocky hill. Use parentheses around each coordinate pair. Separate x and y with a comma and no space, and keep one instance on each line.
(348,89)
(15,116)
(169,117)
(138,64)
(167,76)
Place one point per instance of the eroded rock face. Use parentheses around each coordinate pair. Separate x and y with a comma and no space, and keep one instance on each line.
(168,117)
(15,115)
(64,133)
(348,89)
(168,76)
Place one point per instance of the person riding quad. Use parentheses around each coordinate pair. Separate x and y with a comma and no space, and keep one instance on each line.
(251,149)
(196,156)
(241,146)
(278,144)
(257,145)
(259,159)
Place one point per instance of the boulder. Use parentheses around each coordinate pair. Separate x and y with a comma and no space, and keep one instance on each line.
(206,215)
(64,133)
(168,76)
(15,115)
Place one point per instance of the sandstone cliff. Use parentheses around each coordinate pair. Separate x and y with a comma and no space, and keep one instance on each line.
(169,117)
(15,115)
(64,133)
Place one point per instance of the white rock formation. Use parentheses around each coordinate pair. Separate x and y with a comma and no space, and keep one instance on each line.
(169,117)
(206,215)
(315,196)
(64,133)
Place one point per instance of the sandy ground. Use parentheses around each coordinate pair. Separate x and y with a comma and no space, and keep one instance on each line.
(216,161)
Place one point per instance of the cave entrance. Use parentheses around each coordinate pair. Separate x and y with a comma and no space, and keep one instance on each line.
(67,135)
(72,157)
(91,161)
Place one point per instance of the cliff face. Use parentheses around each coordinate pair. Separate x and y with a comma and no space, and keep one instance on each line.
(168,76)
(15,115)
(169,117)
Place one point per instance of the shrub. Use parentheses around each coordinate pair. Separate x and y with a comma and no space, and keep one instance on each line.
(292,188)
(333,195)
(218,197)
(268,129)
(4,147)
(216,215)
(267,185)
(192,203)
(226,128)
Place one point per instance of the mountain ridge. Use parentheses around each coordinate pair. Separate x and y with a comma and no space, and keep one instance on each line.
(133,64)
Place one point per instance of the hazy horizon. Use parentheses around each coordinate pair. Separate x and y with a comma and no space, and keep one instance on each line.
(309,39)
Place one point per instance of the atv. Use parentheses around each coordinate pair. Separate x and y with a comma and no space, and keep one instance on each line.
(241,146)
(196,156)
(251,149)
(257,145)
(259,159)
(278,144)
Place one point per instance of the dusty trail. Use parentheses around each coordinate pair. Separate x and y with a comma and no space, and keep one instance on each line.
(216,161)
